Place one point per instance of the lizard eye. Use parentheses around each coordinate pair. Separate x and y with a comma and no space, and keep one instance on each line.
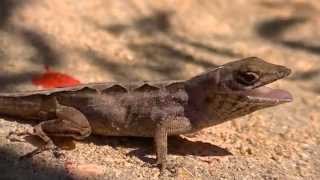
(247,78)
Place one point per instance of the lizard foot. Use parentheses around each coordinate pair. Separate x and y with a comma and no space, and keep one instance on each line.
(56,151)
(170,169)
(20,137)
(173,168)
(166,169)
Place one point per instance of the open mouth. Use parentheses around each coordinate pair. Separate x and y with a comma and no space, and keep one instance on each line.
(267,94)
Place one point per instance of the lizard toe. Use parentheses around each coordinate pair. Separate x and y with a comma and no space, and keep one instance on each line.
(19,135)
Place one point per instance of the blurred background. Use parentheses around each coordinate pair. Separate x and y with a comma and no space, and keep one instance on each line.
(46,44)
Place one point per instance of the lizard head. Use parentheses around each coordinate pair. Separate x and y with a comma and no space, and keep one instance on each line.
(247,78)
(237,88)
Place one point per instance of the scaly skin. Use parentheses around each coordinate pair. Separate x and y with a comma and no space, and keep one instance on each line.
(150,109)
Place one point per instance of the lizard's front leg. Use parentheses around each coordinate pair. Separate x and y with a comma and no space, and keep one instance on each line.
(70,122)
(168,126)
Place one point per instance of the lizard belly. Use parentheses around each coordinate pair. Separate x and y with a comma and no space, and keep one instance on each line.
(125,121)
(129,116)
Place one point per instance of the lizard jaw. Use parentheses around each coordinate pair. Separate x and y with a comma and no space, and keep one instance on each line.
(267,94)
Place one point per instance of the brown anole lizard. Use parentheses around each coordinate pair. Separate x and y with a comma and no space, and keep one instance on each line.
(150,109)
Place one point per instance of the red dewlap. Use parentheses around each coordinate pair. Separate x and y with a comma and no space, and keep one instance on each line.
(51,79)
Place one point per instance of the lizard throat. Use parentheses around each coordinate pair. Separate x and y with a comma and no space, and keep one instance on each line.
(267,94)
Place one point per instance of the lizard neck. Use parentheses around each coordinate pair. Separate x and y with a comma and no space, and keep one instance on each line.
(206,106)
(200,89)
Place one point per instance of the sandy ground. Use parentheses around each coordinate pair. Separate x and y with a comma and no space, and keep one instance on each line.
(104,40)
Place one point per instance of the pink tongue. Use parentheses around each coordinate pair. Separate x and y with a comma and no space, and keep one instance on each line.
(266,92)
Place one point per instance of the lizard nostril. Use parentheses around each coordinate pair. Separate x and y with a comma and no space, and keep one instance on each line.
(283,72)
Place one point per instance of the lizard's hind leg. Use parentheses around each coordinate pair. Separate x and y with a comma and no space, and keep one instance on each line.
(70,122)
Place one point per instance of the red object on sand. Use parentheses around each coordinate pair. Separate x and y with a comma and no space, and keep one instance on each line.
(51,79)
